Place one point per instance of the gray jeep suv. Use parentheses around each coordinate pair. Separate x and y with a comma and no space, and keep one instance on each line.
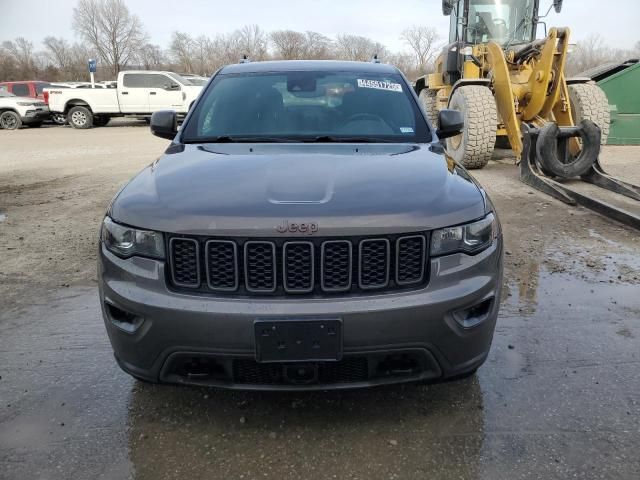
(303,230)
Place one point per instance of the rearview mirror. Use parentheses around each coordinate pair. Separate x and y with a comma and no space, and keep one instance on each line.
(447,7)
(557,5)
(451,123)
(164,124)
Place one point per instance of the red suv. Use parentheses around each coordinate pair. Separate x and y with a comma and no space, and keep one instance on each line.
(28,88)
(34,89)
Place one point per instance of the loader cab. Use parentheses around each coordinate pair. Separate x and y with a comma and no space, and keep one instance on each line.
(507,22)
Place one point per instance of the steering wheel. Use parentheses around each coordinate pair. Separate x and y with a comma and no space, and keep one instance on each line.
(364,116)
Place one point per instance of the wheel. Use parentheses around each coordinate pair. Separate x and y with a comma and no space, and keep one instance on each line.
(80,117)
(10,121)
(100,121)
(473,148)
(59,118)
(35,125)
(429,101)
(589,102)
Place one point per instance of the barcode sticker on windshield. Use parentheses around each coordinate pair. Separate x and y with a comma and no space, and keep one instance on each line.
(378,85)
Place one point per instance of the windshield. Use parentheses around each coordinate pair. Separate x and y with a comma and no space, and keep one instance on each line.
(179,78)
(503,21)
(307,106)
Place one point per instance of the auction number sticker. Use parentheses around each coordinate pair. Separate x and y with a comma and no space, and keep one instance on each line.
(379,85)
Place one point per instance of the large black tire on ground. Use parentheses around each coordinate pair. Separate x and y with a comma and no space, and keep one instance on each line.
(473,148)
(10,121)
(101,121)
(589,102)
(547,151)
(429,101)
(80,117)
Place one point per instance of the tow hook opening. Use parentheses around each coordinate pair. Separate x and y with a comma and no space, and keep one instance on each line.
(124,320)
(398,364)
(473,316)
(200,368)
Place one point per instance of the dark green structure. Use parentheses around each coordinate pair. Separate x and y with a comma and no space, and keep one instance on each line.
(621,83)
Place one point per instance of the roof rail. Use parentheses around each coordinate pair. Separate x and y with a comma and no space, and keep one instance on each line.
(245,59)
(375,59)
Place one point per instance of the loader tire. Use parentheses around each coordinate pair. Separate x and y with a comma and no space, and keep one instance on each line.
(473,148)
(589,102)
(429,101)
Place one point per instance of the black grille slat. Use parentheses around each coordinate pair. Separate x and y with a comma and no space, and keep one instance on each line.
(185,262)
(410,259)
(297,267)
(336,265)
(222,265)
(260,266)
(374,263)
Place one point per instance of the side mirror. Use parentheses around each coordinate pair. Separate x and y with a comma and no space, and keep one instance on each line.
(451,123)
(172,86)
(164,124)
(447,7)
(557,5)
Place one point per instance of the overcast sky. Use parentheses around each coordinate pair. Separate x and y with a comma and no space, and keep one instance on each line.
(616,21)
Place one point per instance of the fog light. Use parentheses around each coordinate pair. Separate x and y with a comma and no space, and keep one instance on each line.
(473,316)
(127,321)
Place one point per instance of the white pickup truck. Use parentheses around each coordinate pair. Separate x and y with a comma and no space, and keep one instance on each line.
(138,94)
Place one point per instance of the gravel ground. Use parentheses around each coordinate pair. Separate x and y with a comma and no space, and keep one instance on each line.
(558,397)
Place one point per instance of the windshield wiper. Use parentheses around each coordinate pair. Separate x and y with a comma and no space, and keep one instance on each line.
(338,139)
(235,139)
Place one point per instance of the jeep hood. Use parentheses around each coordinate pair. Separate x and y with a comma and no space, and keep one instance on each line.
(346,189)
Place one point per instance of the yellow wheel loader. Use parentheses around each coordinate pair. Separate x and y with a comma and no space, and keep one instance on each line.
(512,90)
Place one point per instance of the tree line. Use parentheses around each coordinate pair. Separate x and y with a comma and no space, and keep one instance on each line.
(108,31)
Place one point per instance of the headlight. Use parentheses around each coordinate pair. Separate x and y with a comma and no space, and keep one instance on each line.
(127,241)
(470,238)
(26,104)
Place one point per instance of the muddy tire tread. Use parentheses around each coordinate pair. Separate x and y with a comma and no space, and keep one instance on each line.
(481,119)
(588,101)
(428,99)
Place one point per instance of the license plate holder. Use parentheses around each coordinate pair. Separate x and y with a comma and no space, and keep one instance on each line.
(296,340)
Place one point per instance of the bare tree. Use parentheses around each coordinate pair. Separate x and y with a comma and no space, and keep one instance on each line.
(109,27)
(253,41)
(150,57)
(423,42)
(181,50)
(288,44)
(59,51)
(355,47)
(22,53)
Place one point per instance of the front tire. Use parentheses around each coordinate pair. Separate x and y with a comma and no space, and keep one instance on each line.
(10,121)
(80,117)
(473,148)
(429,100)
(589,102)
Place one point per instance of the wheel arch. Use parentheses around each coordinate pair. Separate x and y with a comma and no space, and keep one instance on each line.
(76,102)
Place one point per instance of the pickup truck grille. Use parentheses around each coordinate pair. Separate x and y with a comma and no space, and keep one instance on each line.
(283,267)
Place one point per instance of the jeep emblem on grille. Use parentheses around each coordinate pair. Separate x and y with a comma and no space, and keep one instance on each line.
(308,228)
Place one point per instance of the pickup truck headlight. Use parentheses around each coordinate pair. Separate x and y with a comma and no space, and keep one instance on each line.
(127,242)
(470,238)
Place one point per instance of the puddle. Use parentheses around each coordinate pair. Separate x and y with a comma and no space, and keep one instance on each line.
(3,217)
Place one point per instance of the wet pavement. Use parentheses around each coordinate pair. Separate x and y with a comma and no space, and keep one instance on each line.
(559,397)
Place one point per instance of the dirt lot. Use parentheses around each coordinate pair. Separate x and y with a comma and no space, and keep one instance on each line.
(558,397)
